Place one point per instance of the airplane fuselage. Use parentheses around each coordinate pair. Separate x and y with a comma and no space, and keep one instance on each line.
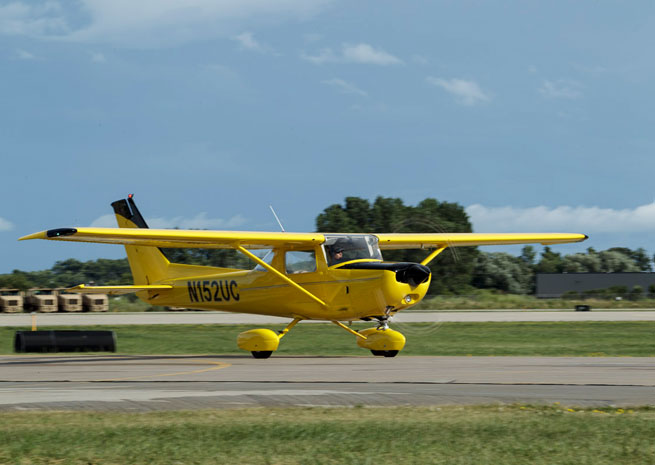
(348,294)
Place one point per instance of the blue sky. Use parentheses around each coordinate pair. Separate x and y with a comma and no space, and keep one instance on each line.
(536,116)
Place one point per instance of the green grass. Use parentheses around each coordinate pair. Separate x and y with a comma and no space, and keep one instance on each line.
(380,436)
(522,339)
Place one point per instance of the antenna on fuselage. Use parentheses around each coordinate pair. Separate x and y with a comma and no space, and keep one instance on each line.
(276,217)
(281,227)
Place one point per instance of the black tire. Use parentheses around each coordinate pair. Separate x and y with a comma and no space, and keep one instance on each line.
(261,353)
(390,353)
(378,353)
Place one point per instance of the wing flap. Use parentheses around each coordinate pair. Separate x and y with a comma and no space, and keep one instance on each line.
(430,241)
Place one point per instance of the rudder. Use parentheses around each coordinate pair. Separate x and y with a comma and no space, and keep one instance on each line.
(148,264)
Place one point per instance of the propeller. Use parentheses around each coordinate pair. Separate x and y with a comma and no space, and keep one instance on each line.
(414,274)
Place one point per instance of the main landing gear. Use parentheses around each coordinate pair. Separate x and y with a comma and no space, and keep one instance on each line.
(381,340)
(263,342)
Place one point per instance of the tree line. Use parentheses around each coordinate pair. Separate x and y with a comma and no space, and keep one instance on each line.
(468,268)
(456,271)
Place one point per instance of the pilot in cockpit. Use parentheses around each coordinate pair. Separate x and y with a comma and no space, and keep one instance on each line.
(336,252)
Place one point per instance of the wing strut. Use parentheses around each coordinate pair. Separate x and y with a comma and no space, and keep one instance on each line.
(261,262)
(352,331)
(434,253)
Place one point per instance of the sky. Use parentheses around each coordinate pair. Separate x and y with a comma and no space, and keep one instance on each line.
(534,116)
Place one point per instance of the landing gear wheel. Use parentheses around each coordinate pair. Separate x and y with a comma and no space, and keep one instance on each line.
(261,353)
(385,353)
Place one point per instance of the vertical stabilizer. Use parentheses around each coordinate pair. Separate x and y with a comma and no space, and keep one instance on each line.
(148,264)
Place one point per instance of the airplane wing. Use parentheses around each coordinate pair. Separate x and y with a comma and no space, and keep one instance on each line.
(182,238)
(436,240)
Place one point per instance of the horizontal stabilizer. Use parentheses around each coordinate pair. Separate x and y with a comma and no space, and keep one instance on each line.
(118,290)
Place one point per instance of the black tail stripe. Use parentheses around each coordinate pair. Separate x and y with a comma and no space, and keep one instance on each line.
(129,211)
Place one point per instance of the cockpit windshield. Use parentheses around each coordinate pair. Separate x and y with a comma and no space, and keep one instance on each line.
(342,247)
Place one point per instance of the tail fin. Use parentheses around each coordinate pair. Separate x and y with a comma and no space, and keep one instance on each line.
(148,264)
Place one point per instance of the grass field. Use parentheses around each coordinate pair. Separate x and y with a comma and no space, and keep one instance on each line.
(453,435)
(522,339)
(445,435)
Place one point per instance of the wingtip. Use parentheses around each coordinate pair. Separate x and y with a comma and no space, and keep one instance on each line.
(50,234)
(38,235)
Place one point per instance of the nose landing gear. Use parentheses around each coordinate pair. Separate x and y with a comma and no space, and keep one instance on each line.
(385,353)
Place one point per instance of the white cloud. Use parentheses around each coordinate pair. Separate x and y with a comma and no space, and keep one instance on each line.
(344,87)
(593,69)
(420,60)
(326,55)
(358,53)
(105,221)
(561,88)
(25,55)
(200,221)
(247,41)
(364,53)
(562,219)
(312,37)
(147,23)
(6,225)
(98,58)
(40,19)
(466,92)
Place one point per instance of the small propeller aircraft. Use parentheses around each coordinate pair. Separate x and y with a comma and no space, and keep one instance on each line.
(306,276)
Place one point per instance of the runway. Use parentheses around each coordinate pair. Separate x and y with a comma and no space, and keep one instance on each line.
(145,383)
(418,316)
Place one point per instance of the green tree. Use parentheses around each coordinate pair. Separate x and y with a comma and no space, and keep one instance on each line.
(551,262)
(528,255)
(636,293)
(335,218)
(617,262)
(639,257)
(502,271)
(582,263)
(15,280)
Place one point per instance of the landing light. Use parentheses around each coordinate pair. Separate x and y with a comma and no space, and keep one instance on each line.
(408,299)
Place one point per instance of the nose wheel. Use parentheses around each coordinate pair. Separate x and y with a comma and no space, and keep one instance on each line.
(261,353)
(385,353)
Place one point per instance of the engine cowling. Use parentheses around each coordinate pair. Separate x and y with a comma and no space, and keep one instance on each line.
(410,273)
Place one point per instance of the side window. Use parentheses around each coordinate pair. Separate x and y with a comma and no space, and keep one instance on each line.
(266,255)
(300,261)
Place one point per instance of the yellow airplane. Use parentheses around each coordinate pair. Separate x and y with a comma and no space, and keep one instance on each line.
(306,276)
